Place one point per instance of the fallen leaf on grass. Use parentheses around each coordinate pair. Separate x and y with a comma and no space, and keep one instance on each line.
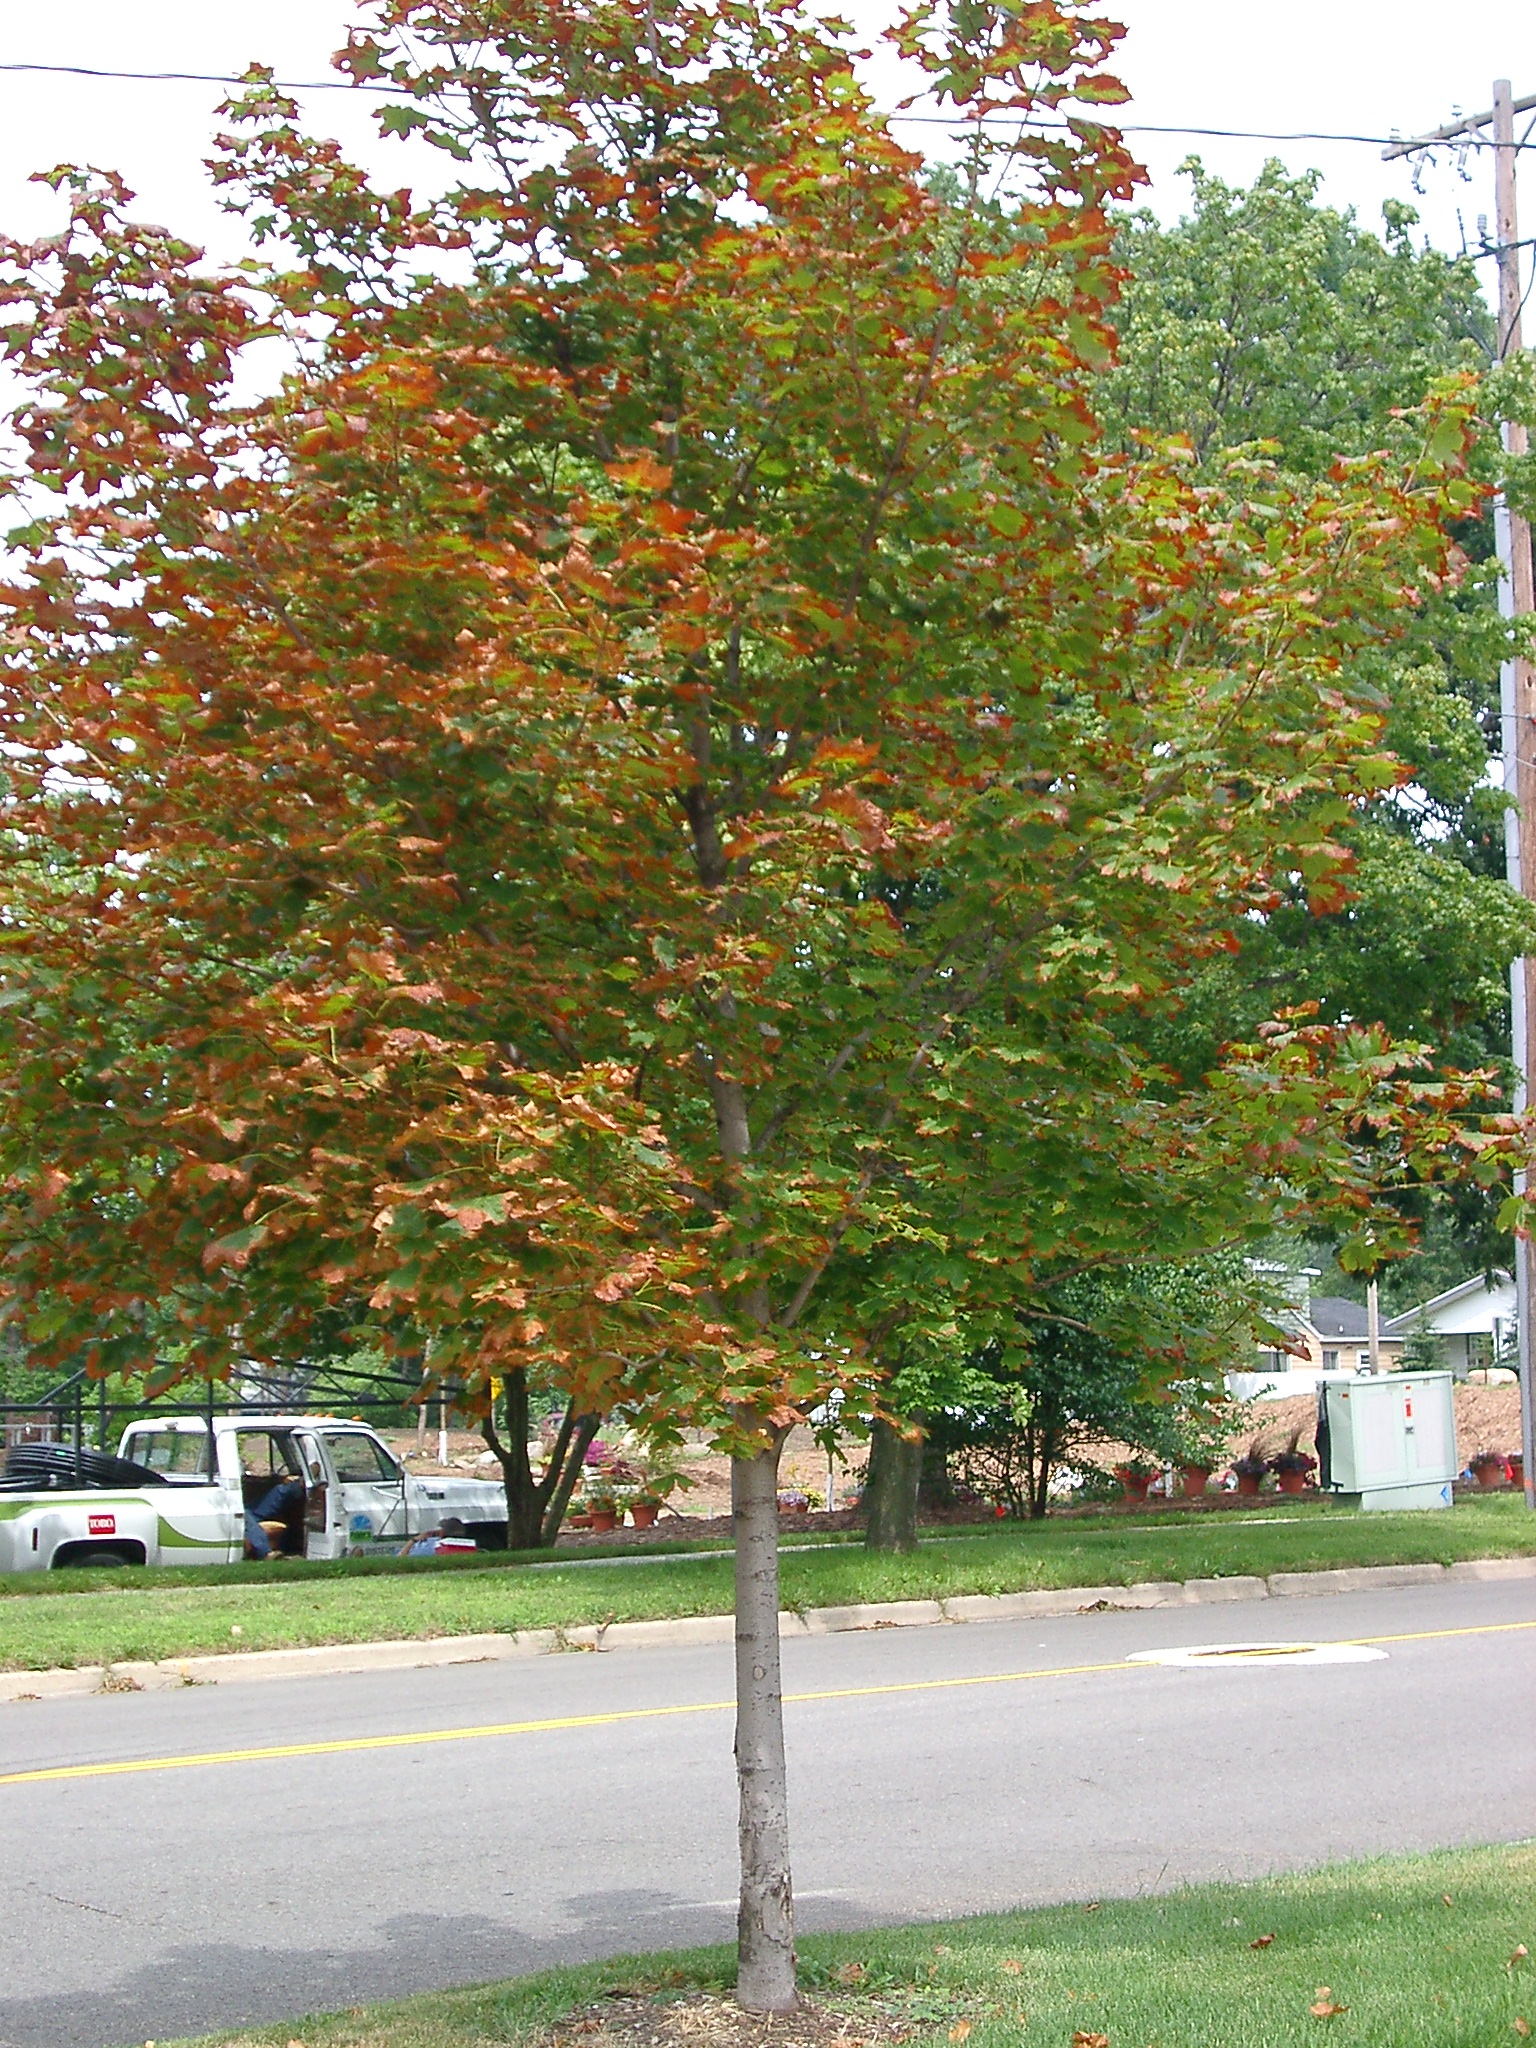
(1014,1969)
(1519,1956)
(960,2031)
(1445,1898)
(1082,2040)
(1092,1906)
(1523,2029)
(1263,1941)
(1324,2006)
(850,1973)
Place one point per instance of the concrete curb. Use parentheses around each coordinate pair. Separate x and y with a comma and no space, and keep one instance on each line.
(331,1659)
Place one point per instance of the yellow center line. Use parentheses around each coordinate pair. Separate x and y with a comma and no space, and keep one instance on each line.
(419,1737)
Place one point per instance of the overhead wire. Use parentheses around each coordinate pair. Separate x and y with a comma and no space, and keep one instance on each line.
(931,120)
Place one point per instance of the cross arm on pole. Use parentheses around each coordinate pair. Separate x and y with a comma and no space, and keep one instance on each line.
(1452,129)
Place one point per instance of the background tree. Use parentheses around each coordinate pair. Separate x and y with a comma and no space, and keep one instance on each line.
(1266,317)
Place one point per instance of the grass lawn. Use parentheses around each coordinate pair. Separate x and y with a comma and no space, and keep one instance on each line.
(72,1618)
(1420,1951)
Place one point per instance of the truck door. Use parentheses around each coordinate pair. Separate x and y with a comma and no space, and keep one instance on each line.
(325,1528)
(372,1488)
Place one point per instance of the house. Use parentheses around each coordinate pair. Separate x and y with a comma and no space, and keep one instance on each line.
(1474,1323)
(1328,1333)
(1338,1337)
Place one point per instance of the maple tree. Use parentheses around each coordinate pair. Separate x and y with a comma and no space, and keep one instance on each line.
(619,811)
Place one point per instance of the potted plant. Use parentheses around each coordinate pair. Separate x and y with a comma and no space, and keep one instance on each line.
(602,1510)
(1517,1468)
(792,1501)
(655,1479)
(1250,1468)
(1200,1425)
(1489,1469)
(1293,1466)
(1135,1476)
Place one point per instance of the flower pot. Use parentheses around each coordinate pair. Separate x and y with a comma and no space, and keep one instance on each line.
(1248,1483)
(1196,1478)
(1517,1468)
(643,1513)
(794,1507)
(1489,1473)
(603,1519)
(1291,1482)
(1133,1486)
(578,1521)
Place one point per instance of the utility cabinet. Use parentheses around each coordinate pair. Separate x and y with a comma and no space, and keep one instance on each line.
(1388,1439)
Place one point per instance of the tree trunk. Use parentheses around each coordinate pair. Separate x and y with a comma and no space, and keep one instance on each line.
(765,1925)
(1045,1449)
(890,1489)
(535,1511)
(935,1488)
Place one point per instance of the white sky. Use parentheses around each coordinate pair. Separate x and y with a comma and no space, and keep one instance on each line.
(1366,66)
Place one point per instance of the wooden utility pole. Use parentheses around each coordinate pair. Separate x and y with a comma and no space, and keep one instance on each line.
(1373,1323)
(1517,684)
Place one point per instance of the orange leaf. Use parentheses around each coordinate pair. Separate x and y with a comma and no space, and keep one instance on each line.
(1263,1941)
(850,1973)
(1082,2040)
(1522,2028)
(1519,1956)
(960,2031)
(1013,1968)
(1324,2006)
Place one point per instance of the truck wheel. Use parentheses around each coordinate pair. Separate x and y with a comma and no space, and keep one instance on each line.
(96,1557)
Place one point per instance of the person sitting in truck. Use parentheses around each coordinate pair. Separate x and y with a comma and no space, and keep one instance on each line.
(275,1505)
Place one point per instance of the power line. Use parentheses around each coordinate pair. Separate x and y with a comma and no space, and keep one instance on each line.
(927,120)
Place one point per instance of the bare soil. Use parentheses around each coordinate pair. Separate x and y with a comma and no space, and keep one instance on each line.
(708,2019)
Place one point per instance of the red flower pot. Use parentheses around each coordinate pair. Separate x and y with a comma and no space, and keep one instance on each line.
(1517,1468)
(1291,1482)
(1133,1485)
(1489,1473)
(643,1514)
(603,1519)
(1248,1483)
(1196,1478)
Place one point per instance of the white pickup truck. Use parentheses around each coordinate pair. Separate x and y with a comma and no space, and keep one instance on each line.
(163,1501)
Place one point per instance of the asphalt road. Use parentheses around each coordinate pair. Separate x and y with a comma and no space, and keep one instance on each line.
(934,1777)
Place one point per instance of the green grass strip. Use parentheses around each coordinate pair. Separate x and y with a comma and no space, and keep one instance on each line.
(71,1618)
(1419,1950)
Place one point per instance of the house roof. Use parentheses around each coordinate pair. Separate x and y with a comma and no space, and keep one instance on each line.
(1332,1315)
(1473,1306)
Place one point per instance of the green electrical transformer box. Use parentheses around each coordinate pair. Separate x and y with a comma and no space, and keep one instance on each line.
(1388,1439)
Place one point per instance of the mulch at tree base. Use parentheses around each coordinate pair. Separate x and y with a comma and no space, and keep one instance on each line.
(712,2019)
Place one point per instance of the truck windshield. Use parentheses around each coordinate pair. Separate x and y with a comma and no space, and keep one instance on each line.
(169,1450)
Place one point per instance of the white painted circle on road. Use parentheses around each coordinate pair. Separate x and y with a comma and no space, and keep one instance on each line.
(1198,1655)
